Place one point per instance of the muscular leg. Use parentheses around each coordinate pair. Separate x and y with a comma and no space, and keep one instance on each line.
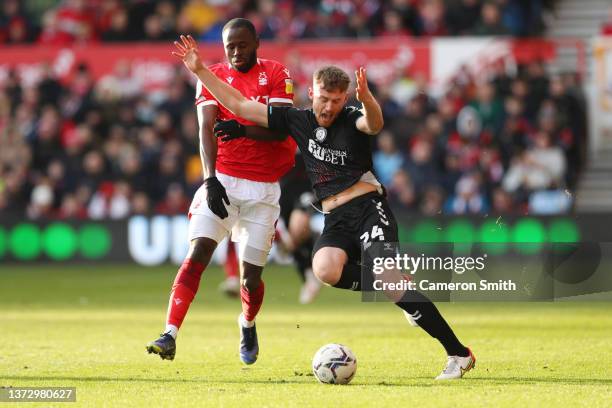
(251,290)
(201,250)
(187,282)
(331,266)
(206,230)
(251,276)
(327,265)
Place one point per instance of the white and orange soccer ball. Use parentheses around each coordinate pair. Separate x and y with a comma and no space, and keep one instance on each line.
(334,364)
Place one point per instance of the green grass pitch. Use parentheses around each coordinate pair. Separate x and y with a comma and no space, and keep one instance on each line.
(87,327)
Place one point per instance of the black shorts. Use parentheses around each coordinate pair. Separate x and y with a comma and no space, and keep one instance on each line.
(358,223)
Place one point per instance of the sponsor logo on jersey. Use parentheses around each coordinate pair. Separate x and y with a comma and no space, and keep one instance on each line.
(332,156)
(288,86)
(263,78)
(320,134)
(230,80)
(261,99)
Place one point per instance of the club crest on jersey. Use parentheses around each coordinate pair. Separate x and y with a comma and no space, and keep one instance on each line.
(320,134)
(263,78)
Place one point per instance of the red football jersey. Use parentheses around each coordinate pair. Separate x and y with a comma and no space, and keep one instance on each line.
(267,82)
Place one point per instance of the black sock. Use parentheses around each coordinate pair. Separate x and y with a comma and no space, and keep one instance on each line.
(303,258)
(427,316)
(350,277)
(423,311)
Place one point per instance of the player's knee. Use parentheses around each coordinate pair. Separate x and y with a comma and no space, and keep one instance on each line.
(253,256)
(251,284)
(251,277)
(326,269)
(201,250)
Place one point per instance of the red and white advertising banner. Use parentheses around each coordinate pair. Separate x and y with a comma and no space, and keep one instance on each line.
(154,65)
(475,55)
(478,55)
(437,59)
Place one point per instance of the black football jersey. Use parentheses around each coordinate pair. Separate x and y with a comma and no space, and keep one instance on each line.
(335,157)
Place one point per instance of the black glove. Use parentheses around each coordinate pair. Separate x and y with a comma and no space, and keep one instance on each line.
(229,130)
(215,196)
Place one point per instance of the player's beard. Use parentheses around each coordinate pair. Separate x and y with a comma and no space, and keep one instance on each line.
(250,62)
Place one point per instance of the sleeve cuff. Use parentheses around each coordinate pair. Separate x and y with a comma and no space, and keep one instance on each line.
(205,102)
(280,100)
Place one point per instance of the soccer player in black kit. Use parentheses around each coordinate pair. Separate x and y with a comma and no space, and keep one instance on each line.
(333,139)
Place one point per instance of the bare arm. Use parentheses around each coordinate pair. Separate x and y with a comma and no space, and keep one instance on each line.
(229,97)
(208,142)
(216,197)
(372,121)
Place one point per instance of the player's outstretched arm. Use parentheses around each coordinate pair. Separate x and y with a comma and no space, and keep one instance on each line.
(227,130)
(260,133)
(372,120)
(231,98)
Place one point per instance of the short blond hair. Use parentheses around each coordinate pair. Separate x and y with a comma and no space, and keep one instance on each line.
(332,78)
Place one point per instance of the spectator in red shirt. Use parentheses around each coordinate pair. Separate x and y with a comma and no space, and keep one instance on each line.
(51,34)
(75,20)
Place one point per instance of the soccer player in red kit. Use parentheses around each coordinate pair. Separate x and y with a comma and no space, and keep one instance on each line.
(240,194)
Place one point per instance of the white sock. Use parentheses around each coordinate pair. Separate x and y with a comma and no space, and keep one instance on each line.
(245,323)
(172,330)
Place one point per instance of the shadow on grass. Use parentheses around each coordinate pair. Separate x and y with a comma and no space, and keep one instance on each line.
(421,381)
(146,380)
(546,380)
(471,380)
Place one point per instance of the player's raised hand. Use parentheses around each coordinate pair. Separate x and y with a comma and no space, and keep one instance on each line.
(187,51)
(362,92)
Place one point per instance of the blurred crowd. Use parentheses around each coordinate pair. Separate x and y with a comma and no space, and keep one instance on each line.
(88,149)
(501,142)
(497,144)
(606,27)
(66,22)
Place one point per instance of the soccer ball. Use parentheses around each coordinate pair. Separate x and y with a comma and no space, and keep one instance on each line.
(334,364)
